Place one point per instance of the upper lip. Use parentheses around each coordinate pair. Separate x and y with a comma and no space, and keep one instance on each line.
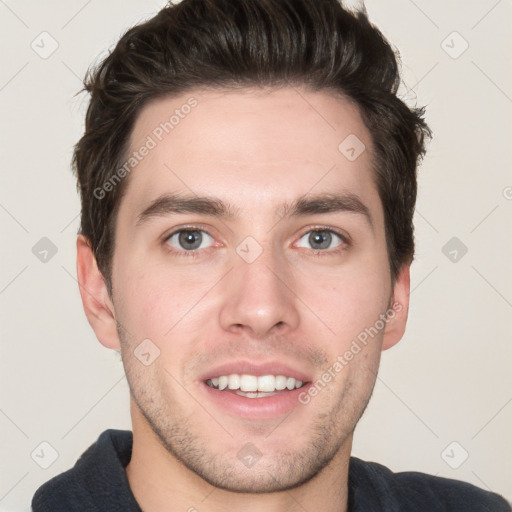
(257,369)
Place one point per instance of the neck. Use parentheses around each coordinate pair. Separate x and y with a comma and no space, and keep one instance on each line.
(160,483)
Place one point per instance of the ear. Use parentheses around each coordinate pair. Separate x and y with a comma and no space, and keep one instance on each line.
(398,309)
(98,307)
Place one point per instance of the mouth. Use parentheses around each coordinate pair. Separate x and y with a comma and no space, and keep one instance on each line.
(252,386)
(248,391)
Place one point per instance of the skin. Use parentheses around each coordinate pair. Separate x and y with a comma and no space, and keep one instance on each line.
(253,149)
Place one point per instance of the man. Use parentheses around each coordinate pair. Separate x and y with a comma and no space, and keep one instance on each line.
(248,181)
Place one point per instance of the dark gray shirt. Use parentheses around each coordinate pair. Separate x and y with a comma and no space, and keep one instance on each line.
(98,482)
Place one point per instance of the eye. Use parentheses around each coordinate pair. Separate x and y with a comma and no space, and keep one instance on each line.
(188,240)
(321,239)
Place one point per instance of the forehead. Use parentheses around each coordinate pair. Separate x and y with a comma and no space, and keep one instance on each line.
(252,147)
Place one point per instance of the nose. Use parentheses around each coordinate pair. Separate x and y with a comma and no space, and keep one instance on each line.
(259,298)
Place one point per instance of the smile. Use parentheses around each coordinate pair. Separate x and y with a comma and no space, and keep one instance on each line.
(252,386)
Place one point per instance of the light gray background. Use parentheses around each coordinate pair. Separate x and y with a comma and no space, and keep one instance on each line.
(449,380)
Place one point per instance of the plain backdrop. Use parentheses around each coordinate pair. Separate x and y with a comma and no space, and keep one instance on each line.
(443,399)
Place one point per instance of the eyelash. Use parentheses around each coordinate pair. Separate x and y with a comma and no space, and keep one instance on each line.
(315,252)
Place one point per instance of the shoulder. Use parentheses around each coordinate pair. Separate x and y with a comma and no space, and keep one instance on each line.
(417,491)
(62,493)
(96,473)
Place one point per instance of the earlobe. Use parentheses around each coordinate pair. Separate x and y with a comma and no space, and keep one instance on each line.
(398,310)
(97,304)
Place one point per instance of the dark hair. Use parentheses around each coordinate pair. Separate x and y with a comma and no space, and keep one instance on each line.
(233,44)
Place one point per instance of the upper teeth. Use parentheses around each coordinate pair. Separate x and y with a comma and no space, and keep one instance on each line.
(267,383)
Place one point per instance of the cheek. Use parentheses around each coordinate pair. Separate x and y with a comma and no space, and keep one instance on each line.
(145,305)
(348,299)
(157,299)
(160,308)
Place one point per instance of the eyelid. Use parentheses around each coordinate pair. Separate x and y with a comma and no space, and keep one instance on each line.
(341,233)
(345,238)
(319,227)
(188,227)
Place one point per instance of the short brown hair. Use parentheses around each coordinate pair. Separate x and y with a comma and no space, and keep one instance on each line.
(244,43)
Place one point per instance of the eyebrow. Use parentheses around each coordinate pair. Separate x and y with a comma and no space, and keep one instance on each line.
(310,204)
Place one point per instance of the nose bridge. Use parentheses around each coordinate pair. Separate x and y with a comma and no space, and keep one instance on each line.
(263,269)
(259,293)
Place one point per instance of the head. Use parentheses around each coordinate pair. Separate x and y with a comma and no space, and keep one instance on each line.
(279,122)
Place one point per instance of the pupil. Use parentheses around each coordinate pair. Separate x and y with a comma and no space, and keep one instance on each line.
(319,236)
(187,237)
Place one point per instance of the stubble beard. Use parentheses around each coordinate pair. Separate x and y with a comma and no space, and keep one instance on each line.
(273,472)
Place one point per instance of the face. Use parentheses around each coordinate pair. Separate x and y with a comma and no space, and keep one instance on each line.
(271,273)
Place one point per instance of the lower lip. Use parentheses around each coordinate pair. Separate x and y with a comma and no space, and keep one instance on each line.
(269,407)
